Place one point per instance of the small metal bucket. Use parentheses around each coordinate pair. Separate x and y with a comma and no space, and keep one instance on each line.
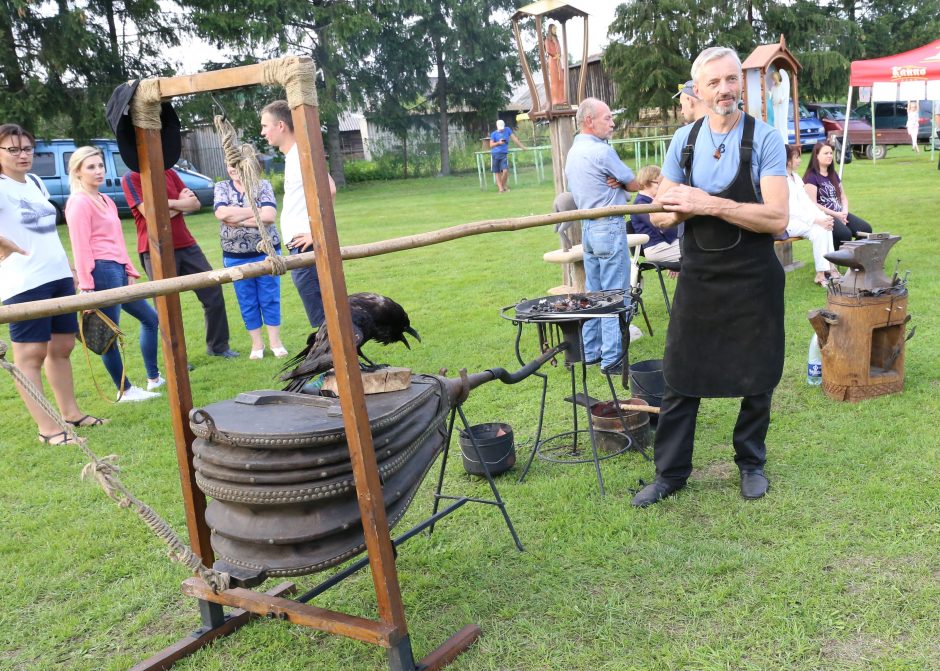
(495,444)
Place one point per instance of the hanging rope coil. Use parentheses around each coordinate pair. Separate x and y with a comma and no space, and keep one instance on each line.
(242,158)
(105,471)
(298,77)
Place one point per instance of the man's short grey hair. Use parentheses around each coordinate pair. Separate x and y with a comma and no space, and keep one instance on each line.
(712,54)
(588,107)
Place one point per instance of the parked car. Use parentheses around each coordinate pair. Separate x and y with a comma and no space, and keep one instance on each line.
(894,115)
(811,128)
(51,163)
(832,116)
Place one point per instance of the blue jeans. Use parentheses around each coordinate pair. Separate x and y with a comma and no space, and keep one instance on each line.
(308,286)
(606,266)
(259,298)
(110,275)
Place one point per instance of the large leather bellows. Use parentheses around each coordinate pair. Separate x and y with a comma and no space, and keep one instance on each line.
(276,466)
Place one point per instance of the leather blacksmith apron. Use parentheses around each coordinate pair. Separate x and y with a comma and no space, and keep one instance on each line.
(726,337)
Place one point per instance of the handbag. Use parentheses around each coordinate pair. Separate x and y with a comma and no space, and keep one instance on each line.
(98,332)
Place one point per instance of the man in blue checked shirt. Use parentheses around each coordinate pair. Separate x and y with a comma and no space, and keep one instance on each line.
(598,178)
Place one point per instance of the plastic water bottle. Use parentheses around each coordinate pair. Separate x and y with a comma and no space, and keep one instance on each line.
(814,363)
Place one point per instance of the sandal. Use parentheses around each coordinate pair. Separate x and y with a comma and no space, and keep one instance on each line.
(51,439)
(83,421)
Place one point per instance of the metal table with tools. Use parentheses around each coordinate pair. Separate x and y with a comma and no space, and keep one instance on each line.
(559,319)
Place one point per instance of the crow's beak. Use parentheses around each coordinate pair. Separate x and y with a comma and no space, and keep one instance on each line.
(414,333)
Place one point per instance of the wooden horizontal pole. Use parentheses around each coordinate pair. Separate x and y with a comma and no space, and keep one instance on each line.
(333,622)
(144,290)
(230,78)
(452,647)
(167,657)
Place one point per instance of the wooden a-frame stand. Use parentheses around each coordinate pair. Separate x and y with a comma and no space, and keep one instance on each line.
(390,630)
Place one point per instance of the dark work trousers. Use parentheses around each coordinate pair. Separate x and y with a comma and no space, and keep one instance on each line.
(843,233)
(191,260)
(675,435)
(308,286)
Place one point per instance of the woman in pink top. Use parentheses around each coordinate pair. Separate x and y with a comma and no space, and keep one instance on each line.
(102,262)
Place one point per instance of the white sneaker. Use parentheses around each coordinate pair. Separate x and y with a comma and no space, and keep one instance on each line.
(635,333)
(256,354)
(155,384)
(134,393)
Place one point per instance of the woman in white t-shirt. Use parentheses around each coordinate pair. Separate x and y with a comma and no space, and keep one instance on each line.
(807,220)
(33,266)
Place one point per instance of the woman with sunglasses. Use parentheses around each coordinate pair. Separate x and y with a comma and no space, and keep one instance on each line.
(34,266)
(102,262)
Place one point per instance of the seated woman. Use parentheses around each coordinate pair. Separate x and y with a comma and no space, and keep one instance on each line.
(33,266)
(824,187)
(259,298)
(664,243)
(806,220)
(102,262)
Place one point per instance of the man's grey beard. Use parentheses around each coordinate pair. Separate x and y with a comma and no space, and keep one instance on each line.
(721,111)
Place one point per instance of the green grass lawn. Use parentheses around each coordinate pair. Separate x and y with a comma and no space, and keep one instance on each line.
(837,568)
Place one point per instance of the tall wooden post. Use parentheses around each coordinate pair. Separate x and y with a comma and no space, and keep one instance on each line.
(346,362)
(561,127)
(173,338)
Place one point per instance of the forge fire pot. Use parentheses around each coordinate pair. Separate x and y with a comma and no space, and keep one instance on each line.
(862,342)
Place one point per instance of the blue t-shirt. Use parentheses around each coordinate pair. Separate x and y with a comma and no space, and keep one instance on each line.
(590,162)
(768,159)
(503,135)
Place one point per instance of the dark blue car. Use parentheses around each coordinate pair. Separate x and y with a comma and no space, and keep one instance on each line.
(51,162)
(811,128)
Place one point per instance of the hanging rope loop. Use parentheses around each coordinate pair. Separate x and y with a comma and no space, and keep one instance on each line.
(243,159)
(105,471)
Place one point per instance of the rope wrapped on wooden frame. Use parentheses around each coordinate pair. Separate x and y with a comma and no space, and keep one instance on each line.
(145,105)
(106,472)
(297,75)
(242,158)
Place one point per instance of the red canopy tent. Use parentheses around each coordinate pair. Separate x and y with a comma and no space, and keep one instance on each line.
(912,75)
(921,64)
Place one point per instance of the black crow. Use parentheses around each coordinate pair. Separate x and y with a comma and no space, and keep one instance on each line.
(374,317)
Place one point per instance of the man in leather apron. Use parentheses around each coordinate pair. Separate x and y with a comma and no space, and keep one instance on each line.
(725,177)
(598,178)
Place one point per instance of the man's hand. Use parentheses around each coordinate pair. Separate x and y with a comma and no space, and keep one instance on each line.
(301,242)
(684,200)
(613,183)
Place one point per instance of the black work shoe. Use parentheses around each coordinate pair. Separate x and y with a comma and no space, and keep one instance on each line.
(654,492)
(592,362)
(616,369)
(228,353)
(754,483)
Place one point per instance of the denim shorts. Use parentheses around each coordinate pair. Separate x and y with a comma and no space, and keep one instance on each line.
(41,329)
(500,162)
